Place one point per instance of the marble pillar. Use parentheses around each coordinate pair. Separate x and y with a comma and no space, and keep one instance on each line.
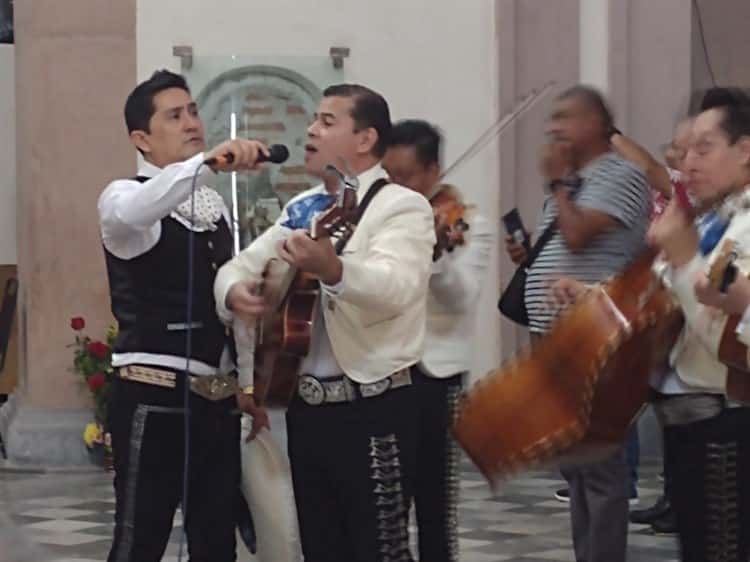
(75,64)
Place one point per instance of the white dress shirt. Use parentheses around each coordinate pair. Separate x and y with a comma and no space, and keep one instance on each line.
(130,215)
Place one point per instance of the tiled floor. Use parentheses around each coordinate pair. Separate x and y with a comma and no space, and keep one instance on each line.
(68,518)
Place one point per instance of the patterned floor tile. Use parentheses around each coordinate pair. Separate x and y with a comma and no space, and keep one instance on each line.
(519,522)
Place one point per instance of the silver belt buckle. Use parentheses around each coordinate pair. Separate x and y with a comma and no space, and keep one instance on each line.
(311,390)
(375,388)
(214,387)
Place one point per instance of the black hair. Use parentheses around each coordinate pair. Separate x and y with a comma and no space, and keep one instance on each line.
(734,104)
(370,110)
(139,107)
(425,139)
(723,97)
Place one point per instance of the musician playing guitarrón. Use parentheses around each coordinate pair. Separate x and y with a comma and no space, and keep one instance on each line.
(413,160)
(601,223)
(352,424)
(711,462)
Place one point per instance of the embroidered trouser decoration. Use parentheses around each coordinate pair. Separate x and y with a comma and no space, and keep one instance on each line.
(722,502)
(392,512)
(452,476)
(123,548)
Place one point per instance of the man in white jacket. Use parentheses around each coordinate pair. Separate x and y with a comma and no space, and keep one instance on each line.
(352,424)
(711,456)
(413,160)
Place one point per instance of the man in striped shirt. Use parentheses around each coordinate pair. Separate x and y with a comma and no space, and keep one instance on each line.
(601,221)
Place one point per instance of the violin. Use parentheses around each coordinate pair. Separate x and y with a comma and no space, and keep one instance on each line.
(448,208)
(450,219)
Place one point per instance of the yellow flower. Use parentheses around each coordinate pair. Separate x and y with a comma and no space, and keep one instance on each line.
(92,434)
(112,332)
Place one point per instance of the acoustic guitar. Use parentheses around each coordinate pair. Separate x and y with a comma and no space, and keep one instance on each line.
(732,352)
(283,335)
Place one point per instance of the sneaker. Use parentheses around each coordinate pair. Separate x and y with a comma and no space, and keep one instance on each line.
(563,495)
(651,514)
(666,525)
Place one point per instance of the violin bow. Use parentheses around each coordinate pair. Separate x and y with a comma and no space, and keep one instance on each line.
(498,126)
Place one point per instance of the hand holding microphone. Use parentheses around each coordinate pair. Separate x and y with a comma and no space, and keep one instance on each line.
(241,155)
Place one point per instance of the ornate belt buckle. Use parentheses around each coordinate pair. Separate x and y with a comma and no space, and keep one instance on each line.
(311,390)
(214,387)
(375,389)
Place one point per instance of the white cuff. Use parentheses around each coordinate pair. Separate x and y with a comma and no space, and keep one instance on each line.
(333,290)
(743,327)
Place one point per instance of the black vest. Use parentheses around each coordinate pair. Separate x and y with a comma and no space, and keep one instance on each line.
(149,294)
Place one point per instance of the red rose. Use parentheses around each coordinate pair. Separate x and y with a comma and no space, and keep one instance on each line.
(77,323)
(96,381)
(98,349)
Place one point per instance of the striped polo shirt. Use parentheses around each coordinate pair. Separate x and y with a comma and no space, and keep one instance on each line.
(611,185)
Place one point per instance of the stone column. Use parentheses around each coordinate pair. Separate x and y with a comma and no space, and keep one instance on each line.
(75,64)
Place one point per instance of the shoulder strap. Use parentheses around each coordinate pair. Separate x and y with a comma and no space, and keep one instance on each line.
(545,237)
(361,208)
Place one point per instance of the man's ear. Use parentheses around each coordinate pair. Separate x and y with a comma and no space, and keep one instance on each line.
(368,138)
(140,140)
(744,146)
(434,172)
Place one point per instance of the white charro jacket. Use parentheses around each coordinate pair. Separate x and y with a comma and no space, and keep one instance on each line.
(695,355)
(376,320)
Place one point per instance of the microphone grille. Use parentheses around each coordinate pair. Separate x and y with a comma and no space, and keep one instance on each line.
(278,153)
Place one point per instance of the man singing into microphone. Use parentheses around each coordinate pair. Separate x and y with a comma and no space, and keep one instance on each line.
(146,223)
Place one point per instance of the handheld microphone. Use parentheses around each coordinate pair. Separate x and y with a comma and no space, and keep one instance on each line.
(277,154)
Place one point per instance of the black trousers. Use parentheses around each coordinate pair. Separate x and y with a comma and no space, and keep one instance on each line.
(436,494)
(147,426)
(709,468)
(353,468)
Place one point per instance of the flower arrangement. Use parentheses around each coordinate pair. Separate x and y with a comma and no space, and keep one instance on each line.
(92,360)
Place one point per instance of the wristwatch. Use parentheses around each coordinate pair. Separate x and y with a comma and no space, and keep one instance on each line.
(248,390)
(571,183)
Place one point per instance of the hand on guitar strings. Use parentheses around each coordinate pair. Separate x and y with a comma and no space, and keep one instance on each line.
(246,403)
(734,302)
(675,235)
(316,257)
(246,302)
